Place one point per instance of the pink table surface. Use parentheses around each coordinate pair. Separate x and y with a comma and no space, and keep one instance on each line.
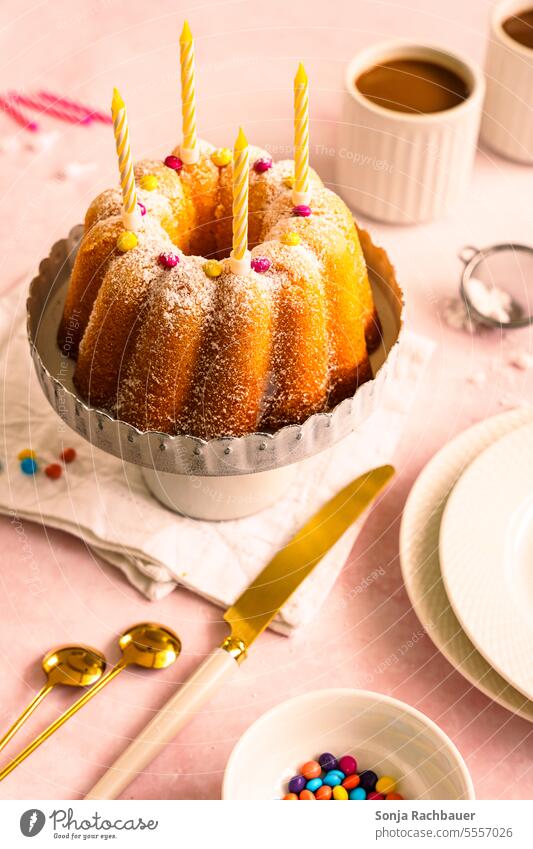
(52,589)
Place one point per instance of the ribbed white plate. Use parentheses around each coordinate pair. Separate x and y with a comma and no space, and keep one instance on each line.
(486,551)
(419,555)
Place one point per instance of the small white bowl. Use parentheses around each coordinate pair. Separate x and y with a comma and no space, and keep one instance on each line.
(383,734)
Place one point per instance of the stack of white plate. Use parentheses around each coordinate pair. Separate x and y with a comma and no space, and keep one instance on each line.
(466,548)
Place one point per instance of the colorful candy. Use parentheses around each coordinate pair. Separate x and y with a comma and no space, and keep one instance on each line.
(126,241)
(168,260)
(324,793)
(222,157)
(302,210)
(26,452)
(385,785)
(297,784)
(260,264)
(53,471)
(328,761)
(213,268)
(29,466)
(351,781)
(174,162)
(340,794)
(337,779)
(333,778)
(368,780)
(306,794)
(311,769)
(68,455)
(149,182)
(142,208)
(347,765)
(264,163)
(357,794)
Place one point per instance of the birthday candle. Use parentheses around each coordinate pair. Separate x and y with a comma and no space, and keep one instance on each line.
(130,210)
(80,108)
(53,110)
(300,193)
(189,146)
(240,256)
(8,106)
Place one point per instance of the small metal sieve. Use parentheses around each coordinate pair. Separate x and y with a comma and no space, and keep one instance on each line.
(503,270)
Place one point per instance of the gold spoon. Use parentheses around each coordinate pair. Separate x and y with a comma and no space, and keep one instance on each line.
(148,645)
(70,666)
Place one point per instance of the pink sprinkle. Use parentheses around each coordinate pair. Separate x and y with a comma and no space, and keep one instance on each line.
(141,207)
(263,164)
(174,162)
(302,210)
(168,260)
(260,264)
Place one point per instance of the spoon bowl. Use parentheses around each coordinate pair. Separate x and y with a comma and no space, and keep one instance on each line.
(150,646)
(73,666)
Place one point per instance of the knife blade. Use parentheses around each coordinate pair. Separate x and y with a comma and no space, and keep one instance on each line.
(261,601)
(248,617)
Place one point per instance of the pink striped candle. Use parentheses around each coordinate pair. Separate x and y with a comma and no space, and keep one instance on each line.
(7,105)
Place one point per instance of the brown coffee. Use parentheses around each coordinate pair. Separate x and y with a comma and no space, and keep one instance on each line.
(413,85)
(520,28)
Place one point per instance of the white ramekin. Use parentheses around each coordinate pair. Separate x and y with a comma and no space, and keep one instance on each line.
(507,125)
(404,168)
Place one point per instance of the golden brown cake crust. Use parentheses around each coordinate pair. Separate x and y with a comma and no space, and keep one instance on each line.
(177,350)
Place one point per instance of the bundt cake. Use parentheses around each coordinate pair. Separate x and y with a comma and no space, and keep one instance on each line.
(168,338)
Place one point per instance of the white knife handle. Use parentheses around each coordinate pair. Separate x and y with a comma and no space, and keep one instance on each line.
(175,714)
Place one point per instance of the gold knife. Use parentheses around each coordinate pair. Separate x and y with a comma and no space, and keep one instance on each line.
(248,618)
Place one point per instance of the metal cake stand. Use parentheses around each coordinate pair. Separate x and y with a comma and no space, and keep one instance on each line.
(218,478)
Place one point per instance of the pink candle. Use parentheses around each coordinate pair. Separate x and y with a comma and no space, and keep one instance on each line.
(6,103)
(54,111)
(80,108)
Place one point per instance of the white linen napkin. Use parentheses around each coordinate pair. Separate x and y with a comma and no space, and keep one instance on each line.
(105,502)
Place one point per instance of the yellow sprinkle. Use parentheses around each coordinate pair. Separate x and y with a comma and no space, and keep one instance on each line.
(289,181)
(222,156)
(27,452)
(149,182)
(126,241)
(291,238)
(340,793)
(213,268)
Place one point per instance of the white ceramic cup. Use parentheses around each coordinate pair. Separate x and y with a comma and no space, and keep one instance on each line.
(507,125)
(399,167)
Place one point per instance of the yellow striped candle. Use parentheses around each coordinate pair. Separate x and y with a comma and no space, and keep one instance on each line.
(300,193)
(240,256)
(130,211)
(189,146)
